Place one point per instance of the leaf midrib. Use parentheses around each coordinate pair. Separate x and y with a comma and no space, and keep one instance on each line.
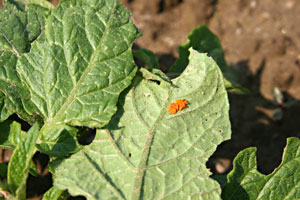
(85,73)
(138,181)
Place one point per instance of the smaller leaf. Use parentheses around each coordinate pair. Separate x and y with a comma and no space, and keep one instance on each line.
(11,134)
(235,88)
(33,169)
(245,182)
(204,41)
(58,140)
(19,164)
(55,194)
(146,56)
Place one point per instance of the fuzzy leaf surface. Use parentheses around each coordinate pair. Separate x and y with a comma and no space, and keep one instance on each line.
(76,75)
(147,153)
(245,182)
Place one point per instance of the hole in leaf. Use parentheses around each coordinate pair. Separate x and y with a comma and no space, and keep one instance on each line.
(41,161)
(38,184)
(86,135)
(155,81)
(77,198)
(129,155)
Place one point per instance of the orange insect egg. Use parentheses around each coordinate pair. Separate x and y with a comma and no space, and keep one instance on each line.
(181,103)
(173,107)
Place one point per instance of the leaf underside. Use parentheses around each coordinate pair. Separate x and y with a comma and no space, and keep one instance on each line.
(245,182)
(146,153)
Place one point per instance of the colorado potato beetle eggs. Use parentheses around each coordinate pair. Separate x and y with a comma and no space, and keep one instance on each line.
(179,105)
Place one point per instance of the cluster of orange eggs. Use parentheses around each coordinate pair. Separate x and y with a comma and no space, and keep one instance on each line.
(179,105)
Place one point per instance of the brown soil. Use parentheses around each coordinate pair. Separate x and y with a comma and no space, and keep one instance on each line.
(261,40)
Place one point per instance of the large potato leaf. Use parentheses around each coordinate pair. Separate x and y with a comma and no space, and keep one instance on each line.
(146,153)
(245,182)
(17,30)
(76,75)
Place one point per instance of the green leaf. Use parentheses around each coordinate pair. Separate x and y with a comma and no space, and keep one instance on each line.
(147,153)
(11,134)
(11,86)
(245,182)
(19,164)
(58,141)
(33,169)
(18,29)
(204,41)
(54,194)
(147,56)
(233,87)
(76,75)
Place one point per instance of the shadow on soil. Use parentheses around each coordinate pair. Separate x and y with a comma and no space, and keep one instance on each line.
(253,124)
